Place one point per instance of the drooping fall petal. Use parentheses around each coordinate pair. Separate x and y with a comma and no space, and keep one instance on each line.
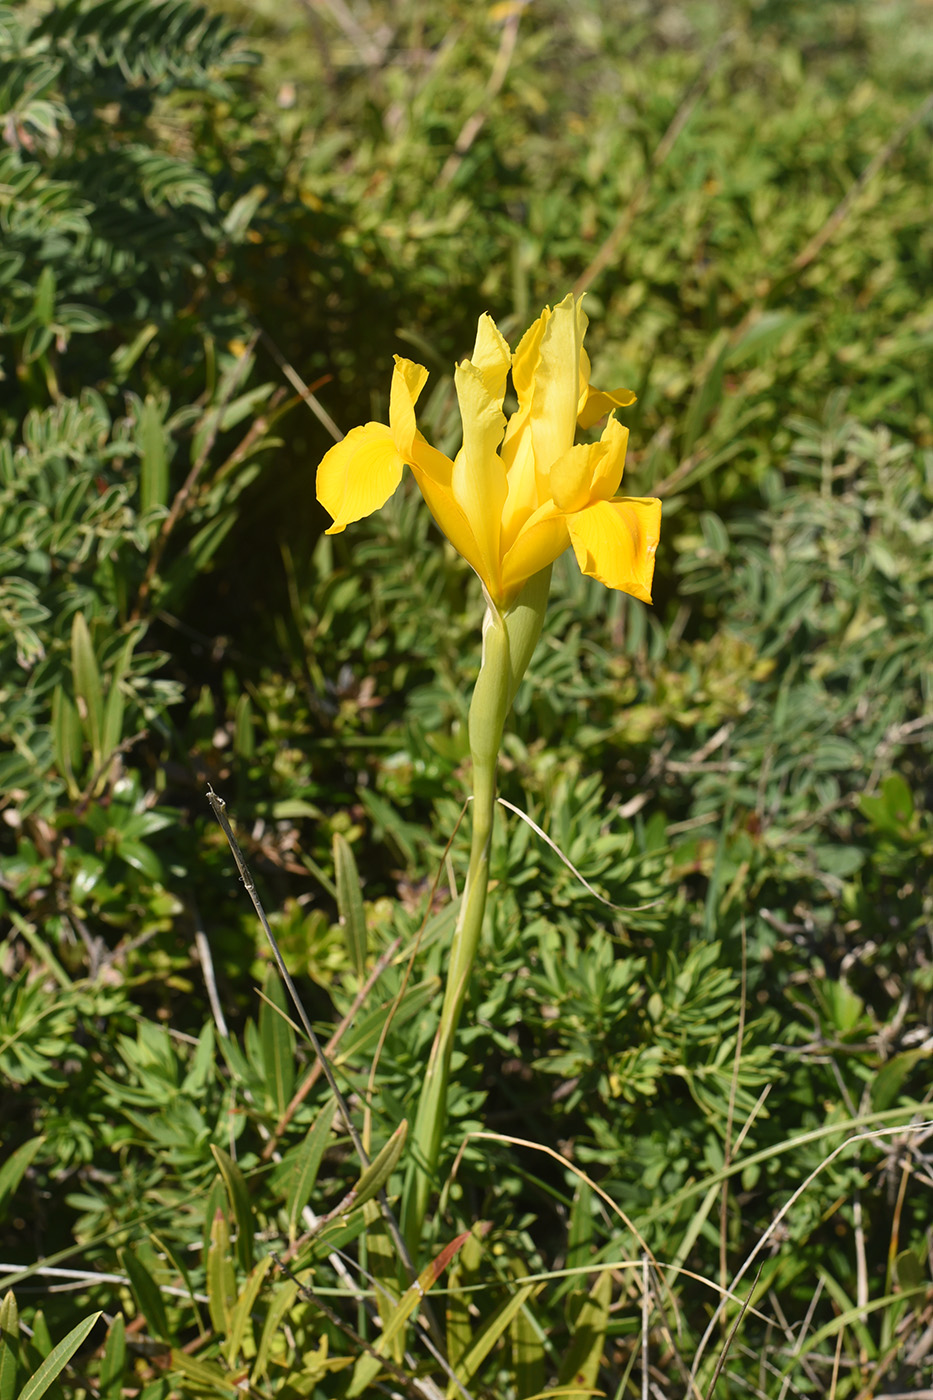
(433,473)
(597,404)
(358,475)
(615,542)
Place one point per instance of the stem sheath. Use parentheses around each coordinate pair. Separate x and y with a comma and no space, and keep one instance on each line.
(508,642)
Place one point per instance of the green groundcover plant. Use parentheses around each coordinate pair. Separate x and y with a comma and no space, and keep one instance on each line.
(673,1135)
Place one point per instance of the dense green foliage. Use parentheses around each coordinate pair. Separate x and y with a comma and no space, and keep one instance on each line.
(198,213)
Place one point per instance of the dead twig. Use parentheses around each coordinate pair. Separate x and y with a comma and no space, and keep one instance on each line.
(301,1093)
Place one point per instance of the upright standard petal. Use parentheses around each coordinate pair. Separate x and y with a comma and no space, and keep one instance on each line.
(478,479)
(358,475)
(491,356)
(615,542)
(434,474)
(517,446)
(522,498)
(526,357)
(408,379)
(556,393)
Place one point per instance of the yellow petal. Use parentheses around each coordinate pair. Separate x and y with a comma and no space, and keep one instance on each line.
(522,499)
(595,405)
(557,384)
(478,479)
(408,379)
(571,476)
(525,359)
(491,356)
(432,470)
(615,542)
(358,475)
(434,473)
(517,446)
(540,541)
(591,471)
(608,464)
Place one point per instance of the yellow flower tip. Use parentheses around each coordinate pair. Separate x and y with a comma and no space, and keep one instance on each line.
(491,356)
(595,404)
(408,379)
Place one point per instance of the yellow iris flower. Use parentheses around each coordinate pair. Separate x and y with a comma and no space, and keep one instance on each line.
(518,491)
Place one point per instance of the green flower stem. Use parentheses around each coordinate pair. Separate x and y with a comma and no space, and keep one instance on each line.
(508,642)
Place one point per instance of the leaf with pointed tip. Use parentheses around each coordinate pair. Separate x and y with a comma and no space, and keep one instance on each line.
(350,903)
(240,1209)
(57,1360)
(307,1165)
(368,1366)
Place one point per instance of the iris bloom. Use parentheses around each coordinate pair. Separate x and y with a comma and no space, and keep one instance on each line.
(518,491)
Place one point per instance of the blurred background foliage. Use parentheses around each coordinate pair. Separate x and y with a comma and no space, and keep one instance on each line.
(214,220)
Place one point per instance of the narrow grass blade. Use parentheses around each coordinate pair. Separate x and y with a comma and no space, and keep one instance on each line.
(527,1341)
(9,1346)
(57,1360)
(488,1335)
(381,1265)
(368,1366)
(240,1320)
(307,1166)
(373,1178)
(221,1280)
(581,1364)
(240,1209)
(278,1044)
(15,1168)
(464,1271)
(147,1295)
(87,685)
(153,471)
(206,1375)
(350,903)
(281,1305)
(113,1362)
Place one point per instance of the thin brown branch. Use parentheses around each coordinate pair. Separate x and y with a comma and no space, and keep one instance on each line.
(301,1093)
(298,384)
